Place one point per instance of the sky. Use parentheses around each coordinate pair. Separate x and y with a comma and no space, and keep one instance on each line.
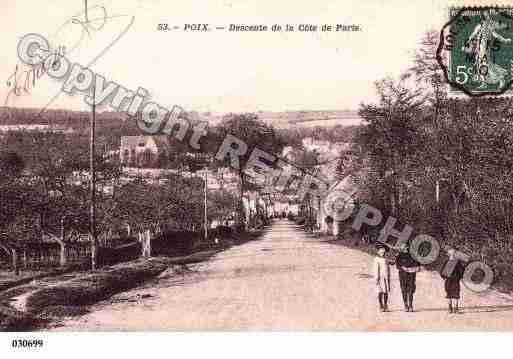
(223,71)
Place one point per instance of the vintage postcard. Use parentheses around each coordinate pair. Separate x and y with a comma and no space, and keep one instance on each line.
(234,165)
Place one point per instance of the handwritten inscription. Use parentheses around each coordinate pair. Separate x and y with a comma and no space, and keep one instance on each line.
(91,19)
(22,80)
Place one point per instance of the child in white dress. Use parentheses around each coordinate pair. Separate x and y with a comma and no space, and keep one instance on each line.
(382,277)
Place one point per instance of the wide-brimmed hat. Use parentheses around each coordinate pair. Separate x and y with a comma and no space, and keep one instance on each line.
(380,245)
(403,246)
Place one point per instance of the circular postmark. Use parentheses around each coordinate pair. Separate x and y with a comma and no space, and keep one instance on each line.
(339,205)
(475,50)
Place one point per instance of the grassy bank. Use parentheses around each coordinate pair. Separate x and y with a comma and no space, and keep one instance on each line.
(34,304)
(26,306)
(93,287)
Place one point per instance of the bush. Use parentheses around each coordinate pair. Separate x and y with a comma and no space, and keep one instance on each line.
(119,254)
(221,232)
(238,228)
(175,243)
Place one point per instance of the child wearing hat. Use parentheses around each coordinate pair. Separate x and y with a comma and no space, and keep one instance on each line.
(407,267)
(382,277)
(452,280)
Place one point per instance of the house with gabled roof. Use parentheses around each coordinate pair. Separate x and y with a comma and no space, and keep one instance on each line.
(339,198)
(142,151)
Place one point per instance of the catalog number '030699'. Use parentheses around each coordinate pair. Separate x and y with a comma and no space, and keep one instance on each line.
(27,343)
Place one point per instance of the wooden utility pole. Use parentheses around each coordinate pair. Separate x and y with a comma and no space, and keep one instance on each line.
(437,191)
(206,220)
(86,15)
(62,244)
(92,170)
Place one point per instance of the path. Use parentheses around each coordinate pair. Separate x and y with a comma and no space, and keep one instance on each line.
(288,280)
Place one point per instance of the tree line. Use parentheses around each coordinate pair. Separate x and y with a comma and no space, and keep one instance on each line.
(45,184)
(439,162)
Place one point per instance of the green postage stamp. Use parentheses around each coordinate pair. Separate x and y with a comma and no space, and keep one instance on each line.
(476,50)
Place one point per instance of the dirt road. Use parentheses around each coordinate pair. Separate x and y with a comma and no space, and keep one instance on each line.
(288,281)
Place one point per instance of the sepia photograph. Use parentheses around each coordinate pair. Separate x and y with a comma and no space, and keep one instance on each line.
(234,166)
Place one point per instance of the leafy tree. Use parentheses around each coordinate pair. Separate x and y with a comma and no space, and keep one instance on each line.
(56,178)
(221,205)
(11,165)
(391,139)
(255,134)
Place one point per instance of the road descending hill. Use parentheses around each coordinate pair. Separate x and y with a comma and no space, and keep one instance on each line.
(288,280)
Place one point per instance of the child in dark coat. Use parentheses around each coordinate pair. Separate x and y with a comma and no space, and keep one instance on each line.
(407,268)
(452,280)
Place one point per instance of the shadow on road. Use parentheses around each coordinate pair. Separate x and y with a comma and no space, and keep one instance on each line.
(472,309)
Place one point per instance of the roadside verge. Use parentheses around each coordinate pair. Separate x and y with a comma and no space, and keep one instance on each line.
(28,306)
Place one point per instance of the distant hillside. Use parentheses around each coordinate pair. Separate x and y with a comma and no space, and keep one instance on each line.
(110,125)
(310,118)
(118,123)
(293,126)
